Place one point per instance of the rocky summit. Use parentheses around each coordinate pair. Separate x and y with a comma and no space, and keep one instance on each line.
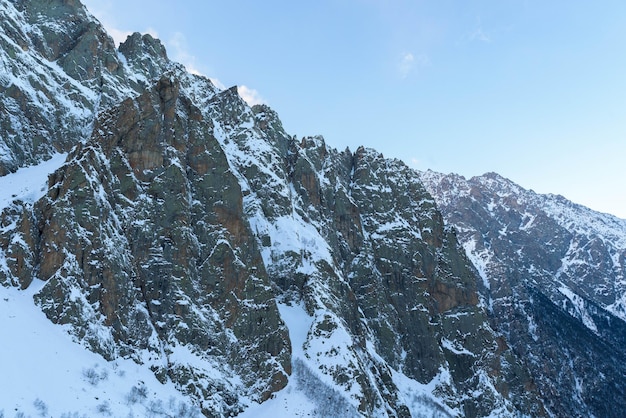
(181,244)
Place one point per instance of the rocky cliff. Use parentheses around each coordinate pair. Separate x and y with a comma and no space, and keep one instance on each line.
(554,275)
(175,232)
(190,234)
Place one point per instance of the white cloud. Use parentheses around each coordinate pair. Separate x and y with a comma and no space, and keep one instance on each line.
(408,62)
(179,51)
(102,11)
(152,32)
(251,96)
(477,34)
(118,35)
(217,83)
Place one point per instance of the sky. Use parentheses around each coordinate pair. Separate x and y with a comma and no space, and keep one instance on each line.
(534,90)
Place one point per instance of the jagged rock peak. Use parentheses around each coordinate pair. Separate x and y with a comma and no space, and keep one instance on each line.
(362,151)
(60,68)
(138,44)
(267,117)
(145,54)
(313,142)
(64,31)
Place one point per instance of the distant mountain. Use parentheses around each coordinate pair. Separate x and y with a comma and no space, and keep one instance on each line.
(191,257)
(554,276)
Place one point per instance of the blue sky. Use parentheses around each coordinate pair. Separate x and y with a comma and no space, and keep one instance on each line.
(534,90)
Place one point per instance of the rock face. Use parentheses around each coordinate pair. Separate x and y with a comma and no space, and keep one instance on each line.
(146,223)
(59,69)
(189,232)
(554,275)
(175,229)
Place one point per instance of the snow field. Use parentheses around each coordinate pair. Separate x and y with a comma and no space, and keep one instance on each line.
(45,373)
(28,183)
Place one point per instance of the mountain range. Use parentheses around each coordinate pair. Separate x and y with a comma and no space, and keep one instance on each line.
(168,250)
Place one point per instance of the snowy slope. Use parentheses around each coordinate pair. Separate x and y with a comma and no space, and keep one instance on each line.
(45,373)
(23,188)
(308,395)
(28,184)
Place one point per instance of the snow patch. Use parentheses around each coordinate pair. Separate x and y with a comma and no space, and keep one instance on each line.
(580,309)
(419,398)
(451,346)
(28,184)
(480,259)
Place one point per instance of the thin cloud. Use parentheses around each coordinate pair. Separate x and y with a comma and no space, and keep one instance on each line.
(118,35)
(251,96)
(406,64)
(101,11)
(179,51)
(478,34)
(217,83)
(409,62)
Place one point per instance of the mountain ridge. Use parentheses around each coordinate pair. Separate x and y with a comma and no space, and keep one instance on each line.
(189,234)
(551,257)
(83,192)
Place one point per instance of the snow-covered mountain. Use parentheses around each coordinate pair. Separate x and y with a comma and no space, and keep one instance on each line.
(168,250)
(554,274)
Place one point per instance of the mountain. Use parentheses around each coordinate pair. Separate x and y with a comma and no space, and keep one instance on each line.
(554,274)
(161,239)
